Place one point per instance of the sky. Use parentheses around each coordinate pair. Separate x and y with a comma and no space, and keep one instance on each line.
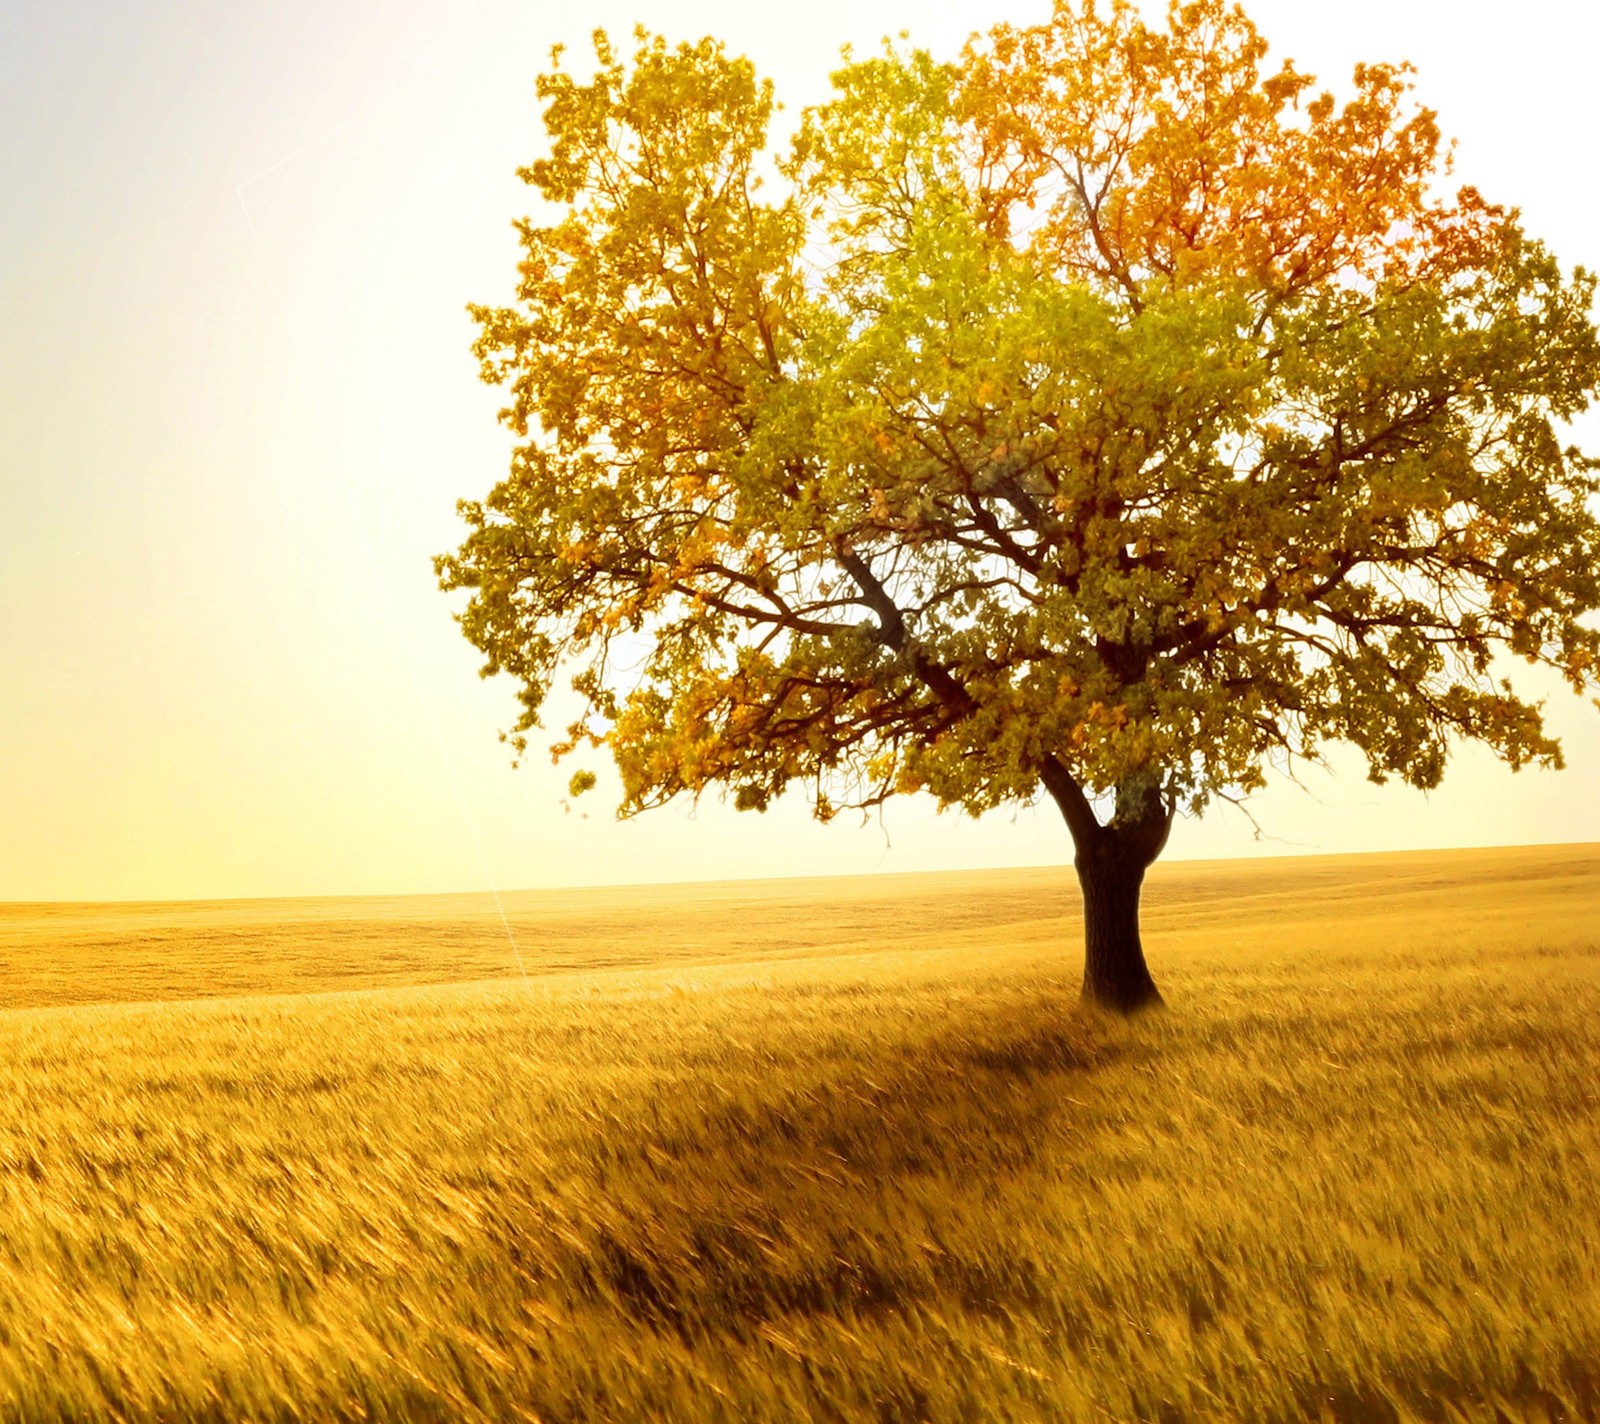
(237,406)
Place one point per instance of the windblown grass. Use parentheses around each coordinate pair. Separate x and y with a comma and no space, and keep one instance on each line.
(794,1173)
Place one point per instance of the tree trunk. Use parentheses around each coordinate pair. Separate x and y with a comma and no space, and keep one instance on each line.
(1115,975)
(1111,862)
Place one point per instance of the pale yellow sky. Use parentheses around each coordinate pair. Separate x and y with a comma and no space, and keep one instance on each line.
(237,407)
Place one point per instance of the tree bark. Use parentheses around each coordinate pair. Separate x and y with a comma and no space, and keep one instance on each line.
(1115,975)
(1111,862)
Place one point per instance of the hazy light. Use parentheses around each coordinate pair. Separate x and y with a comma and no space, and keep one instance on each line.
(240,406)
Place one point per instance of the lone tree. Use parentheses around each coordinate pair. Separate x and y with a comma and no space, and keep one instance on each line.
(1104,415)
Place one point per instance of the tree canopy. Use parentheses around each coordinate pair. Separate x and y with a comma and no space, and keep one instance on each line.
(1105,414)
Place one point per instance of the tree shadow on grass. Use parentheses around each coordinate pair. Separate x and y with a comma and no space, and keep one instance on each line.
(881,1183)
(837,1226)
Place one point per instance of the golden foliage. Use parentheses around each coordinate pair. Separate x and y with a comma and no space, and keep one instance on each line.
(1110,357)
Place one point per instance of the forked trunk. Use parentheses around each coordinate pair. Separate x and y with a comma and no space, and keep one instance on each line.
(1111,862)
(1115,975)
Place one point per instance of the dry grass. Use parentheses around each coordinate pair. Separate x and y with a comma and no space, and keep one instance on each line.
(845,1152)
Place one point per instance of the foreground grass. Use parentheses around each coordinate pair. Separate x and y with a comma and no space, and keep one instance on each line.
(1350,1176)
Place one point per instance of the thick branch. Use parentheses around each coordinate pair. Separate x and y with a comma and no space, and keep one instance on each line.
(1075,808)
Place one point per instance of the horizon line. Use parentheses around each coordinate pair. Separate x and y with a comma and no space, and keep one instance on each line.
(1064,864)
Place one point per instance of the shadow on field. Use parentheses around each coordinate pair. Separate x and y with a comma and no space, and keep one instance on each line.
(887,1183)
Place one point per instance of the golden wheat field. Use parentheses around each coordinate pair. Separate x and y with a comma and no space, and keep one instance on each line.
(833,1150)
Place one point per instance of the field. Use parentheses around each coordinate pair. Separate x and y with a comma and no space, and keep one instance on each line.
(834,1150)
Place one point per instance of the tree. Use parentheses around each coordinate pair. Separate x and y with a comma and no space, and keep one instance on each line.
(1106,416)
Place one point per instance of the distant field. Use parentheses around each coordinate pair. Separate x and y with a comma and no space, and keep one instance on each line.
(838,1150)
(65,953)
